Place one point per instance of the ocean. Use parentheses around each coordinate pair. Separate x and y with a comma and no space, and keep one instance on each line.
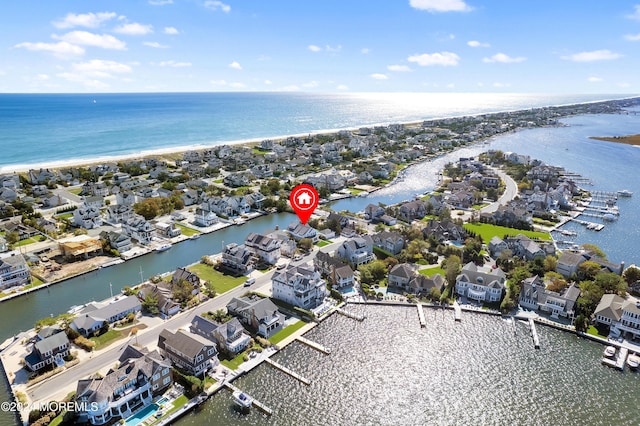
(57,129)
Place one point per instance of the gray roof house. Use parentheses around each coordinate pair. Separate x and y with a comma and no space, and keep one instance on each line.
(47,350)
(533,295)
(481,284)
(230,336)
(89,322)
(260,314)
(189,352)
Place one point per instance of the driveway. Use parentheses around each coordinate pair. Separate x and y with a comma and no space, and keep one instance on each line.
(510,192)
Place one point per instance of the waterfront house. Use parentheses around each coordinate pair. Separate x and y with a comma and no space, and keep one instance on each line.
(392,242)
(568,262)
(189,352)
(131,385)
(14,272)
(205,217)
(357,251)
(93,319)
(80,247)
(139,229)
(411,211)
(167,230)
(265,248)
(373,212)
(481,284)
(609,309)
(299,286)
(405,276)
(50,347)
(117,240)
(622,315)
(182,274)
(534,296)
(298,231)
(496,246)
(163,294)
(238,258)
(258,313)
(401,274)
(3,246)
(87,217)
(230,336)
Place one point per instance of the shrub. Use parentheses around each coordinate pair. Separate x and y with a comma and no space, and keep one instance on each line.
(84,343)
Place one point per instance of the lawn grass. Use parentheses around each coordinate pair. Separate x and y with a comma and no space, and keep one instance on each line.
(234,363)
(429,272)
(26,242)
(479,206)
(218,181)
(258,151)
(355,191)
(286,332)
(75,191)
(221,282)
(594,332)
(65,216)
(323,243)
(186,231)
(488,231)
(108,337)
(177,403)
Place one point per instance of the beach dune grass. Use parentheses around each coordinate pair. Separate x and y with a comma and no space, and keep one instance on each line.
(488,231)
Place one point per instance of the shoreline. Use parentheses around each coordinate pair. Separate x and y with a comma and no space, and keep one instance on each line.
(250,142)
(626,140)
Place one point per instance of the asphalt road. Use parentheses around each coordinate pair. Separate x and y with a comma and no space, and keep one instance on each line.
(510,192)
(51,388)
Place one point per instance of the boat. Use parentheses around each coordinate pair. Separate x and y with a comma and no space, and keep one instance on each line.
(610,351)
(609,217)
(242,399)
(164,247)
(195,236)
(633,361)
(625,193)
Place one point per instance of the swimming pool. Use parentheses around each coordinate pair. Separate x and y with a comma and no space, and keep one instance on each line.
(162,400)
(142,415)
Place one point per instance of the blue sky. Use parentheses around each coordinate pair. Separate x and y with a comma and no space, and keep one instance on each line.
(544,46)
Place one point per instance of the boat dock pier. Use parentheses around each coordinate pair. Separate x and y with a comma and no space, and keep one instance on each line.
(268,411)
(423,322)
(590,225)
(534,334)
(457,311)
(350,314)
(287,371)
(607,195)
(314,345)
(618,364)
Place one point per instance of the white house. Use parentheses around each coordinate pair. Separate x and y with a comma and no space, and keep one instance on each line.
(14,271)
(264,247)
(139,229)
(299,231)
(299,286)
(481,284)
(357,251)
(205,217)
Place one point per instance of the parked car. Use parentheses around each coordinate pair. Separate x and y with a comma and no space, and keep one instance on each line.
(250,281)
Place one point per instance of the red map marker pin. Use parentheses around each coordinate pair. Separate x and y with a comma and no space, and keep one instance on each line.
(304,200)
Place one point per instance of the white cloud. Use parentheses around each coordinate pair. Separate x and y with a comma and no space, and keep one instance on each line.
(594,80)
(504,59)
(379,76)
(225,83)
(101,68)
(268,82)
(440,58)
(636,13)
(314,48)
(235,65)
(290,88)
(311,84)
(174,64)
(333,49)
(61,49)
(216,5)
(632,37)
(85,38)
(160,2)
(134,29)
(624,85)
(592,56)
(155,44)
(476,43)
(171,30)
(41,77)
(89,20)
(365,50)
(342,87)
(399,68)
(501,84)
(440,5)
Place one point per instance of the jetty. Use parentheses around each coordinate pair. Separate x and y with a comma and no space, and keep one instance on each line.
(457,311)
(618,363)
(268,411)
(534,333)
(423,322)
(351,315)
(314,345)
(288,371)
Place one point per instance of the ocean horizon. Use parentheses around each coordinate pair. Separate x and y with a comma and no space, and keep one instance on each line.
(60,130)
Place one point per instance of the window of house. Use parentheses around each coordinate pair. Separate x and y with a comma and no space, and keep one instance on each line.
(166,380)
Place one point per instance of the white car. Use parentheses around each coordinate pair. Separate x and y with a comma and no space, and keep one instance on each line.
(250,281)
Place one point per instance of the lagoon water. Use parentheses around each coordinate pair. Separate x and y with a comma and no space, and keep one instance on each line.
(385,370)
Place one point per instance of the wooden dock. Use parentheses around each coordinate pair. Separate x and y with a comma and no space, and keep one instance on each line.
(268,411)
(534,333)
(314,345)
(457,311)
(288,371)
(618,363)
(350,314)
(423,321)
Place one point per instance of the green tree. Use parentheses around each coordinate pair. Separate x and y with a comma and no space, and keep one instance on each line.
(588,270)
(550,263)
(611,283)
(594,248)
(452,269)
(305,244)
(182,291)
(13,237)
(210,290)
(631,275)
(150,305)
